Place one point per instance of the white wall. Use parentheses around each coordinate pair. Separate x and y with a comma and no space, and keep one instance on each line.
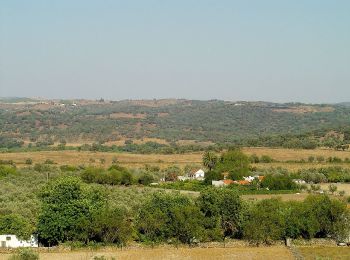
(13,241)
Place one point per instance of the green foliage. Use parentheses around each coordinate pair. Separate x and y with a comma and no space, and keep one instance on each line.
(109,225)
(169,217)
(25,254)
(115,175)
(201,121)
(278,182)
(66,203)
(15,224)
(265,222)
(210,160)
(266,159)
(29,161)
(223,210)
(235,162)
(212,176)
(7,170)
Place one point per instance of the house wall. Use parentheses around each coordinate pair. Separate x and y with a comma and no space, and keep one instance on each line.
(217,183)
(14,242)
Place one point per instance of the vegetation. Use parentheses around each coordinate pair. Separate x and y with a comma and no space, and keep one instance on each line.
(205,123)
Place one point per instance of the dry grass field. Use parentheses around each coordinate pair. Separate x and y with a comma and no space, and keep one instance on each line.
(281,154)
(139,160)
(244,253)
(325,253)
(78,158)
(340,187)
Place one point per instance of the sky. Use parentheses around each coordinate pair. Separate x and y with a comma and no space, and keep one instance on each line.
(271,50)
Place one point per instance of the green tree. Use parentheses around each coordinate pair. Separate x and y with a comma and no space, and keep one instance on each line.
(167,217)
(16,225)
(66,203)
(235,162)
(223,209)
(110,225)
(265,222)
(209,160)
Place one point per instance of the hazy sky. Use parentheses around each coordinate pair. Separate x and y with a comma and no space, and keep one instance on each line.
(296,50)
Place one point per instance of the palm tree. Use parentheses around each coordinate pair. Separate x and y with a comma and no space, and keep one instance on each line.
(209,160)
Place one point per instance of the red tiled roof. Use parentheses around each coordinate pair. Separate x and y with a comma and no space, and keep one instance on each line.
(228,182)
(243,182)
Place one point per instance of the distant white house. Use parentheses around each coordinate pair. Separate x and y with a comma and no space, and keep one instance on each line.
(197,174)
(298,181)
(14,242)
(249,178)
(218,183)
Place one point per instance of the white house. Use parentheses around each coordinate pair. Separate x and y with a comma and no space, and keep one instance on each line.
(249,178)
(197,174)
(218,183)
(13,242)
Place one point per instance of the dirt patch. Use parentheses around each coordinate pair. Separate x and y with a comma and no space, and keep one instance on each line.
(127,115)
(281,154)
(304,109)
(163,114)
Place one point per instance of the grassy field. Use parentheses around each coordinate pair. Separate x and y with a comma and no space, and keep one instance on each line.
(78,158)
(139,160)
(340,186)
(244,253)
(281,154)
(325,253)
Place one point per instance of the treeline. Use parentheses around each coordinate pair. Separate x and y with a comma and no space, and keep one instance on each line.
(74,212)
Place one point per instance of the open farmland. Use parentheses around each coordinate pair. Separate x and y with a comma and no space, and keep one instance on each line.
(282,154)
(325,252)
(125,159)
(138,160)
(244,253)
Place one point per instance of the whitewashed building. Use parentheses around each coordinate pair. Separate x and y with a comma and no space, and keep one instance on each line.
(197,174)
(218,183)
(14,242)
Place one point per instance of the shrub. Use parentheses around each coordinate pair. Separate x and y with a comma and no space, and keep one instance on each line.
(7,170)
(25,254)
(29,161)
(49,161)
(320,158)
(254,158)
(266,222)
(278,182)
(311,159)
(266,159)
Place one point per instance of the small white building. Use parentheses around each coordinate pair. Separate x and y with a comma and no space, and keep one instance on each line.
(14,242)
(249,178)
(197,174)
(218,183)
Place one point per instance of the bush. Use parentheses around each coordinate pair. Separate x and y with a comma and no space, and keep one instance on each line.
(278,182)
(7,170)
(25,254)
(29,161)
(49,161)
(266,222)
(266,159)
(311,159)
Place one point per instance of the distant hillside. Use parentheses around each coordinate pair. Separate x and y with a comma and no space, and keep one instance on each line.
(170,120)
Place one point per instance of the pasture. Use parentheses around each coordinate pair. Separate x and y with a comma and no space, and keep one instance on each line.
(244,253)
(139,160)
(324,252)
